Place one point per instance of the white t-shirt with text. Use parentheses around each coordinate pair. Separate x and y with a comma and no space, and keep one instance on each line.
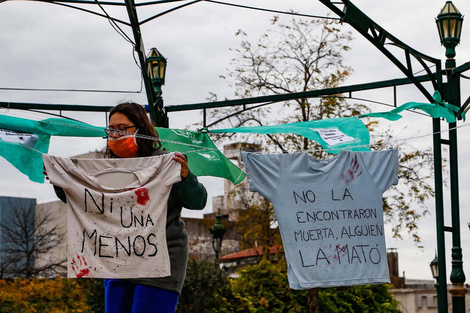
(329,212)
(117,214)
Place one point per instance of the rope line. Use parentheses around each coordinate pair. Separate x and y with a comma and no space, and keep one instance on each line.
(147,137)
(271,10)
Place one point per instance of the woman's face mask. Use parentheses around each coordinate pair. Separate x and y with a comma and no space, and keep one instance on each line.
(125,146)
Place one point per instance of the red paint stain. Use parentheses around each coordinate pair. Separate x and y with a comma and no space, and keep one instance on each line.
(353,172)
(142,196)
(84,273)
(82,259)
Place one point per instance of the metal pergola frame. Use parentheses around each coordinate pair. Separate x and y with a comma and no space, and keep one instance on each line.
(382,40)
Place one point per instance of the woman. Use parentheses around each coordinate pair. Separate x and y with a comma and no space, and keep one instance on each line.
(127,120)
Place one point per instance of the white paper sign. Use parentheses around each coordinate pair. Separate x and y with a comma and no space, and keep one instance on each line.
(16,137)
(333,136)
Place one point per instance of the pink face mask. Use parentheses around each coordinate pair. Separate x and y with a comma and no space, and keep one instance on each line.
(124,147)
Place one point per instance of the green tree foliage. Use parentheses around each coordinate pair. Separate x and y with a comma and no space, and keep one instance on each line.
(207,289)
(260,288)
(51,295)
(94,290)
(302,55)
(258,227)
(364,299)
(264,286)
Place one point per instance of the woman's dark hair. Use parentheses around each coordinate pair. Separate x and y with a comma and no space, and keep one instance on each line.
(138,116)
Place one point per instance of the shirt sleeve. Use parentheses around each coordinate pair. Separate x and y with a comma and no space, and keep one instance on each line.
(54,168)
(170,170)
(263,172)
(382,167)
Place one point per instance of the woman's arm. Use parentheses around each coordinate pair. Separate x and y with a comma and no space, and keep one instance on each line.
(191,193)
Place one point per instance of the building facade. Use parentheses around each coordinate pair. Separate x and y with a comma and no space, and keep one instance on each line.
(17,222)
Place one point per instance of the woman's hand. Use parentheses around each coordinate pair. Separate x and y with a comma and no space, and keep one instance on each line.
(181,159)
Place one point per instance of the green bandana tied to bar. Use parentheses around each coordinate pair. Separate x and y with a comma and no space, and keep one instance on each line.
(333,134)
(437,109)
(204,159)
(23,141)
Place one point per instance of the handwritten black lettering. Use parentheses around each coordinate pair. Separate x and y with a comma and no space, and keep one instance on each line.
(302,260)
(306,196)
(376,258)
(313,234)
(93,234)
(357,214)
(89,195)
(137,246)
(310,217)
(317,257)
(347,194)
(152,244)
(321,256)
(137,221)
(366,230)
(357,254)
(130,217)
(101,245)
(149,220)
(128,250)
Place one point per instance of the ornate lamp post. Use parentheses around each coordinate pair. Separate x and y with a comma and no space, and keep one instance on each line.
(435,268)
(449,24)
(156,68)
(434,265)
(217,230)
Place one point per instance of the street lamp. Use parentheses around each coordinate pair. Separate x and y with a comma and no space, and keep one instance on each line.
(435,268)
(435,273)
(156,65)
(217,230)
(449,23)
(156,69)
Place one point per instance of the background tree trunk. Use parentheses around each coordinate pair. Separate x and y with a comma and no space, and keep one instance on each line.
(312,301)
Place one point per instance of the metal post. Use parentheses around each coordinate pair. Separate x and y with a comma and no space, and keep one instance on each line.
(457,276)
(161,118)
(217,230)
(441,281)
(140,50)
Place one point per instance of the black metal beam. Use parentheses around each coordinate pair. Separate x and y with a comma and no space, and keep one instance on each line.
(197,106)
(298,95)
(381,39)
(462,68)
(140,50)
(55,107)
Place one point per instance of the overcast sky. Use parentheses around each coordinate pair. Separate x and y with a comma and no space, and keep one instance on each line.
(48,46)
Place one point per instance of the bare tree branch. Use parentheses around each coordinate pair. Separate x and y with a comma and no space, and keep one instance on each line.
(28,238)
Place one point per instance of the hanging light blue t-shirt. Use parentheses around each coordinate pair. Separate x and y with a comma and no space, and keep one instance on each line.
(330,213)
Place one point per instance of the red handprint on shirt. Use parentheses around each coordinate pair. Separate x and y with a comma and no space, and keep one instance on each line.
(80,267)
(353,172)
